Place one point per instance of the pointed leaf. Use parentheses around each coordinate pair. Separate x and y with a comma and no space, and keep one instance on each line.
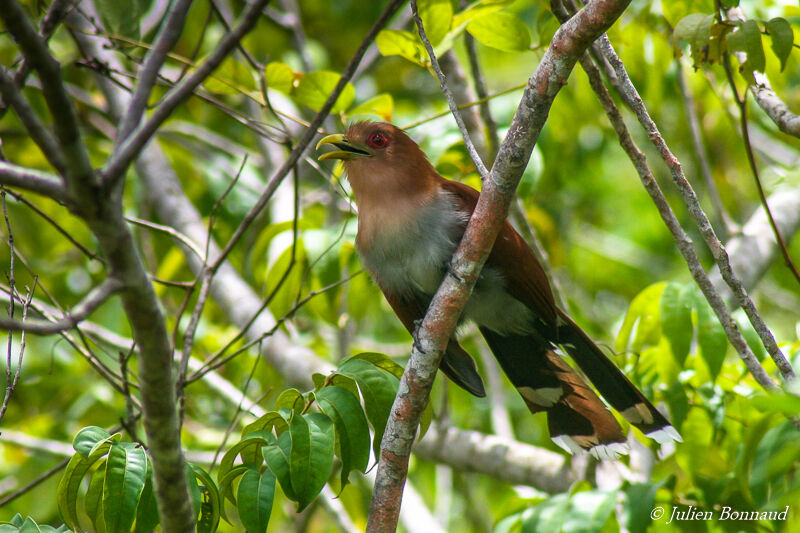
(782,36)
(147,517)
(210,507)
(277,457)
(320,457)
(378,389)
(126,469)
(255,495)
(710,336)
(676,319)
(93,500)
(478,9)
(351,426)
(291,399)
(68,486)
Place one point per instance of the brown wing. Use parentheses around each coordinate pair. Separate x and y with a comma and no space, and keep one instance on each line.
(513,258)
(456,363)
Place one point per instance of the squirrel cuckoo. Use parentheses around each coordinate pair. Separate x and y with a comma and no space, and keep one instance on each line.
(410,221)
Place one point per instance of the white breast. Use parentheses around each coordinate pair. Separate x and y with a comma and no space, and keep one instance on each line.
(414,259)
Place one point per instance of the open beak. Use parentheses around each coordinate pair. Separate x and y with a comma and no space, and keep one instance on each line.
(346,149)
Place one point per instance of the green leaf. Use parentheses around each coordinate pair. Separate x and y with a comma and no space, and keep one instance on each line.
(696,30)
(478,9)
(747,39)
(226,484)
(279,76)
(126,469)
(291,399)
(381,105)
(436,15)
(676,319)
(70,482)
(547,516)
(147,517)
(210,507)
(501,30)
(314,88)
(343,407)
(378,388)
(120,18)
(94,498)
(251,442)
(643,313)
(255,496)
(87,438)
(311,455)
(402,43)
(589,511)
(638,504)
(674,11)
(710,336)
(277,457)
(285,279)
(782,36)
(30,526)
(231,77)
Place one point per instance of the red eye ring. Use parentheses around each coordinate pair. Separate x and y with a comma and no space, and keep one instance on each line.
(377,140)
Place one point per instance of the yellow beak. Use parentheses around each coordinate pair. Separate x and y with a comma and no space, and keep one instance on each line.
(346,149)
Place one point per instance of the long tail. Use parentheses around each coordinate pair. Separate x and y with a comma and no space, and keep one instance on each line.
(577,418)
(612,384)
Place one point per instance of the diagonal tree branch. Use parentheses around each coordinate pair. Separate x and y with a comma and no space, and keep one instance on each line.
(38,132)
(567,45)
(634,101)
(32,180)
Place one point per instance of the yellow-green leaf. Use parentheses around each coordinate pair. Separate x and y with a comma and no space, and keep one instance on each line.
(381,105)
(279,76)
(402,43)
(782,38)
(314,88)
(501,30)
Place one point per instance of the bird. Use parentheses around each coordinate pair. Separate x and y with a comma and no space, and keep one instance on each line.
(410,221)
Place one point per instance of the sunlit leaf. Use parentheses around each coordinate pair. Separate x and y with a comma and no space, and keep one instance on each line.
(747,39)
(676,319)
(402,43)
(381,105)
(314,88)
(279,76)
(501,30)
(436,15)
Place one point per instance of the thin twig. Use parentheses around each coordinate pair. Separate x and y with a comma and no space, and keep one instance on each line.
(189,243)
(473,153)
(728,226)
(58,227)
(93,299)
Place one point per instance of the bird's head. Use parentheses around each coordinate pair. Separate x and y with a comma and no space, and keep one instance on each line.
(379,156)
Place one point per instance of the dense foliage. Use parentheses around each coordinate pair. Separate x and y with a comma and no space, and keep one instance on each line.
(265,448)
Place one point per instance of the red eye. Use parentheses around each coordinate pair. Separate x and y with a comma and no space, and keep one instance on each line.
(377,140)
